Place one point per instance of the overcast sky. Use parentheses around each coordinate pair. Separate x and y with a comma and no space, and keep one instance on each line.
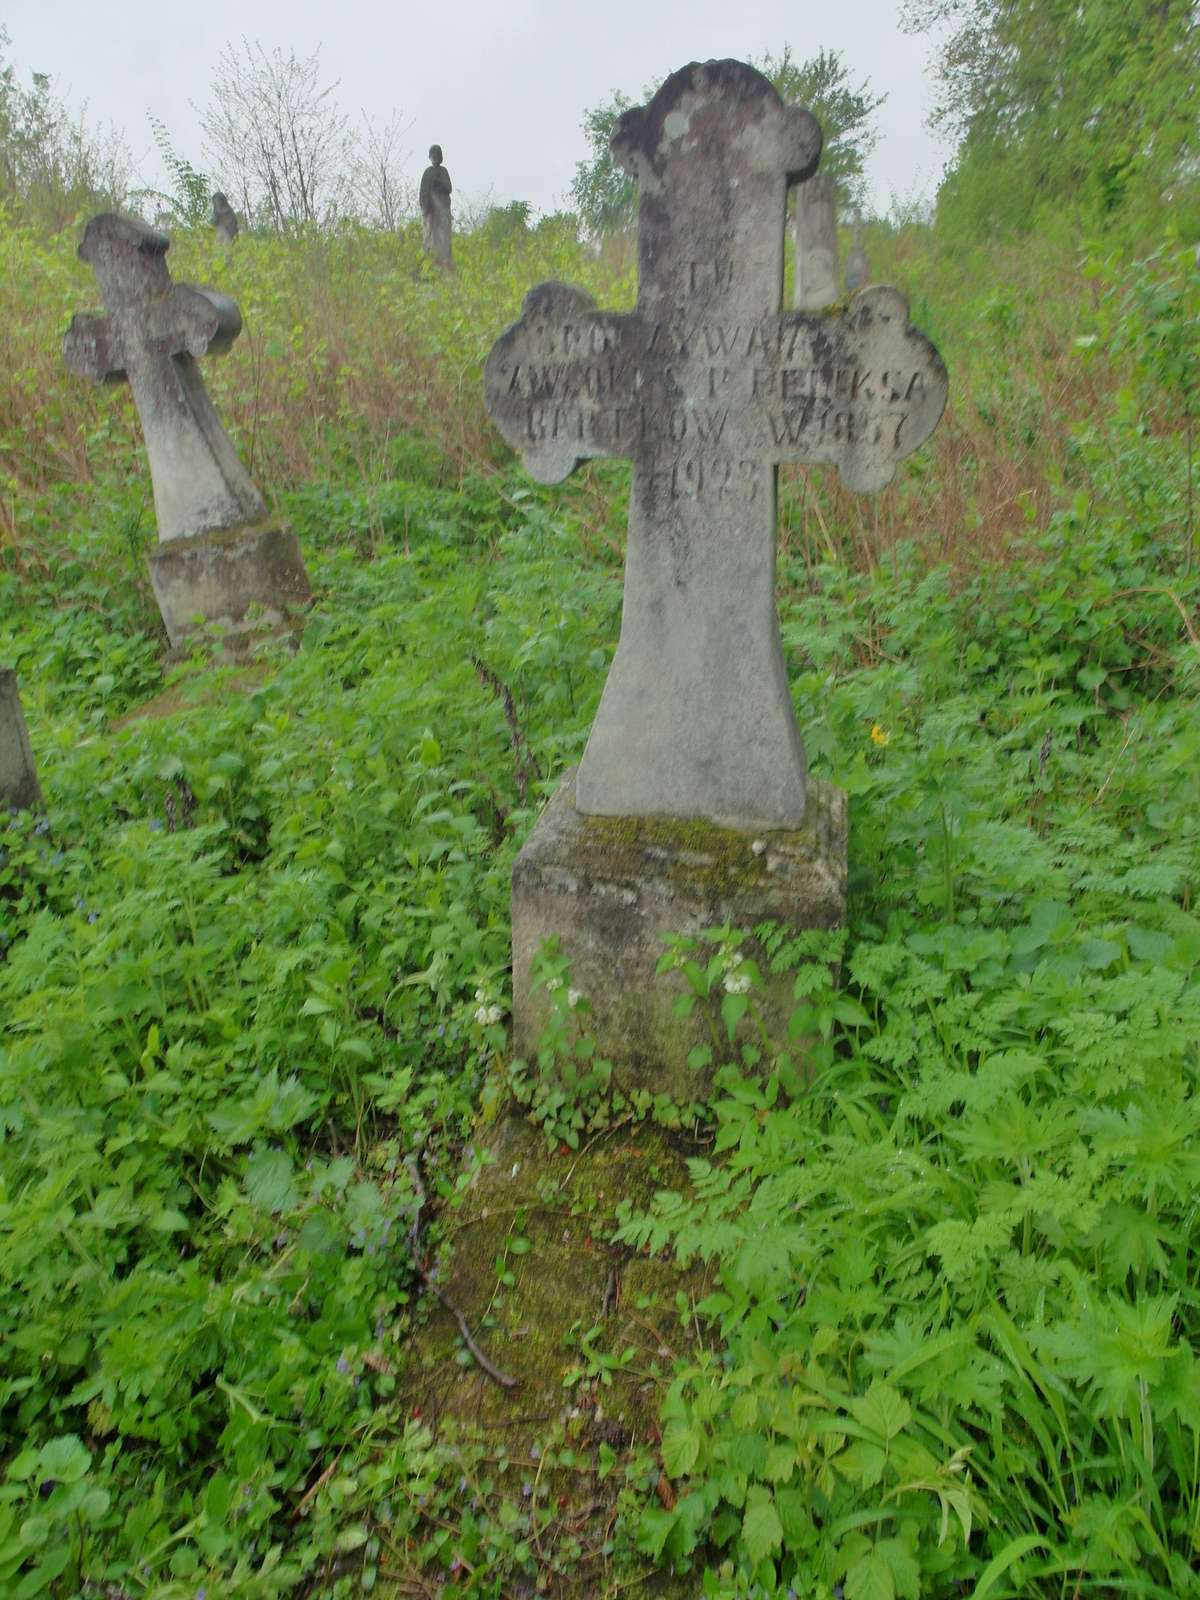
(500,84)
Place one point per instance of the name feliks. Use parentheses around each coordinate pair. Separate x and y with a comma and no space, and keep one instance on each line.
(599,382)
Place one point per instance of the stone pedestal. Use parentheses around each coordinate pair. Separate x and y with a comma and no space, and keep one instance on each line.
(243,579)
(610,887)
(18,778)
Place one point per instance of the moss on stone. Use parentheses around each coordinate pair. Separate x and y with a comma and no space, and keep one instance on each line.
(564,1204)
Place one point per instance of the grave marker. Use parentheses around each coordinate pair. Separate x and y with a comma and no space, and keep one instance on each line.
(18,776)
(858,268)
(815,234)
(219,553)
(708,386)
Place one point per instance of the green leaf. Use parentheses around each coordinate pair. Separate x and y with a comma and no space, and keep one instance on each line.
(733,1008)
(870,1578)
(680,1450)
(270,1181)
(168,1220)
(654,1529)
(762,1531)
(999,1564)
(882,1410)
(65,1459)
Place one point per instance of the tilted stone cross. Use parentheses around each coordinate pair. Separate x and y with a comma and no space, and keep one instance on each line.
(708,386)
(152,334)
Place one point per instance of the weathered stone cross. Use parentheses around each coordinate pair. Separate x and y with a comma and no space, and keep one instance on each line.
(708,386)
(152,335)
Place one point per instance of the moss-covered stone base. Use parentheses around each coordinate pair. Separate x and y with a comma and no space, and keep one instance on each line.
(609,888)
(242,579)
(587,1329)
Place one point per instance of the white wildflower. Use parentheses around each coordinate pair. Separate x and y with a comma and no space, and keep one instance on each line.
(732,960)
(552,984)
(573,998)
(737,983)
(493,1014)
(481,1016)
(480,995)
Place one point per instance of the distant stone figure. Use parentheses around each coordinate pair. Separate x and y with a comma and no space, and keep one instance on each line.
(858,268)
(435,194)
(224,219)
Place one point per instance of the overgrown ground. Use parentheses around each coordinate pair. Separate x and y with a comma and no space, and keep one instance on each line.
(936,1296)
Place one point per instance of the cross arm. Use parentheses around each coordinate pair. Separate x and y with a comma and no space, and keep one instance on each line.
(561,383)
(92,348)
(860,390)
(201,321)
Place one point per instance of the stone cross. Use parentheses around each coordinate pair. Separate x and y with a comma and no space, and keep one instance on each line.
(151,337)
(707,387)
(817,283)
(858,268)
(18,776)
(434,200)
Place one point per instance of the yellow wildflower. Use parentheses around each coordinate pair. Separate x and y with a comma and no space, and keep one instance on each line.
(880,735)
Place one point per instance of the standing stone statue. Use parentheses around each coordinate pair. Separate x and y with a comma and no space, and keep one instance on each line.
(224,219)
(816,245)
(858,268)
(434,197)
(18,776)
(692,807)
(220,555)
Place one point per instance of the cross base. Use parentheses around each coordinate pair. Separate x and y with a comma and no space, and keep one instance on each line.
(245,580)
(609,887)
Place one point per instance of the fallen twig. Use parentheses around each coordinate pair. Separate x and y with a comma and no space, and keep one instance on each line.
(525,766)
(414,1239)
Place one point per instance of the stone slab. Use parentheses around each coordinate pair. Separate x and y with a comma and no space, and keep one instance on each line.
(241,579)
(609,888)
(19,787)
(817,284)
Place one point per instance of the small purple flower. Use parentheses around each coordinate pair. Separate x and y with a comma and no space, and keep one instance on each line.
(155,824)
(526,1489)
(343,1365)
(535,1452)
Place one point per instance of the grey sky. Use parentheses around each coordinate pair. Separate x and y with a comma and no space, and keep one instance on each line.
(500,84)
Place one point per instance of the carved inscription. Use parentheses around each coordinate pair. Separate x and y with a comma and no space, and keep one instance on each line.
(790,387)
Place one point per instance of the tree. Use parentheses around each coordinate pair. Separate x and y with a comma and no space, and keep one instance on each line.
(603,192)
(53,164)
(1087,106)
(190,199)
(605,195)
(278,143)
(382,196)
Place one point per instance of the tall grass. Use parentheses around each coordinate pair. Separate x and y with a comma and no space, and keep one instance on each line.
(353,351)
